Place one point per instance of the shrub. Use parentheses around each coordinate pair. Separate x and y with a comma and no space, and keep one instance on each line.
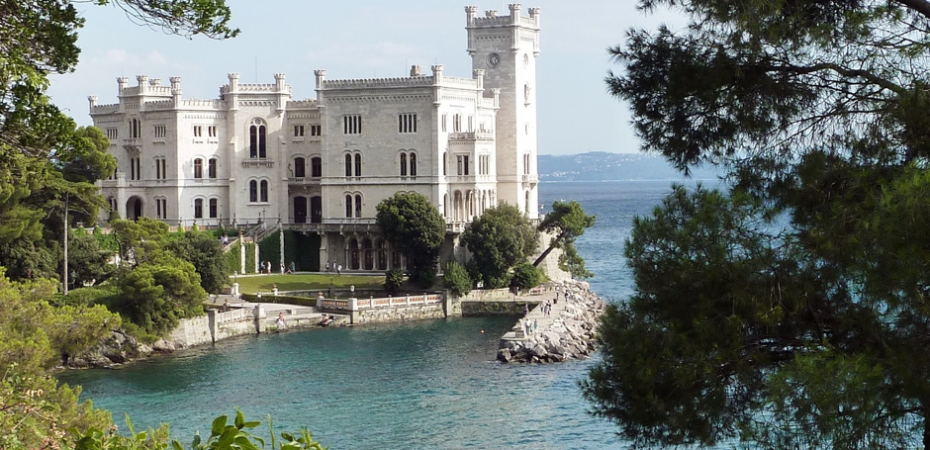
(393,279)
(456,279)
(526,276)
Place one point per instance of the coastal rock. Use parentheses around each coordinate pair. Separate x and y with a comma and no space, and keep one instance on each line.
(504,355)
(163,346)
(570,334)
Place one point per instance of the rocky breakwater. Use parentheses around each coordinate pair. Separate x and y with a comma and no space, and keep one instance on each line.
(569,331)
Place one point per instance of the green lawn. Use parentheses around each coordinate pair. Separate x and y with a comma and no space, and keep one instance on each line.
(303,282)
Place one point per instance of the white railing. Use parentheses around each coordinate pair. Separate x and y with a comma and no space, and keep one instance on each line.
(353,304)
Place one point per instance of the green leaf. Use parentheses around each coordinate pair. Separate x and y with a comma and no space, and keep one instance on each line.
(219,424)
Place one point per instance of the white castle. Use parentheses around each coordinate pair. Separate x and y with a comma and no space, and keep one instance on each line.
(321,166)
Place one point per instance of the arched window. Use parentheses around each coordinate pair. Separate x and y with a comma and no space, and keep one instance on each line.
(403,164)
(316,167)
(358,164)
(413,164)
(213,208)
(300,167)
(253,191)
(348,206)
(264,191)
(198,208)
(211,168)
(348,165)
(198,168)
(257,147)
(253,141)
(358,205)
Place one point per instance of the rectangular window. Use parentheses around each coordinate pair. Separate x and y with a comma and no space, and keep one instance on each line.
(198,131)
(198,168)
(316,167)
(160,131)
(298,131)
(161,205)
(135,168)
(444,120)
(352,124)
(211,131)
(462,164)
(112,133)
(211,168)
(316,130)
(407,123)
(198,209)
(213,208)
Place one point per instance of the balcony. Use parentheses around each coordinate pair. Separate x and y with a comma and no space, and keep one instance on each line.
(531,179)
(132,144)
(258,162)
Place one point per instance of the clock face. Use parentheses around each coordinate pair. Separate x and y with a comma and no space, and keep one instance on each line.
(494,59)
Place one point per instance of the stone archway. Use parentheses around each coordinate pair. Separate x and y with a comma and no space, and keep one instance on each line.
(134,208)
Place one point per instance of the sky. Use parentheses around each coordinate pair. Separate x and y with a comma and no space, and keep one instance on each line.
(368,39)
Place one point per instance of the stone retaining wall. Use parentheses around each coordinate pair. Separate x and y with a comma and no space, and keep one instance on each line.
(398,314)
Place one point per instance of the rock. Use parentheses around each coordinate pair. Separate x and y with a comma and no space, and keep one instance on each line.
(504,355)
(163,346)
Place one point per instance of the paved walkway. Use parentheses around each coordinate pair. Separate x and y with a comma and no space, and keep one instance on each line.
(536,314)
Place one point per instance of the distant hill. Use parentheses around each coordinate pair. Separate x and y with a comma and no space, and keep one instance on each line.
(603,166)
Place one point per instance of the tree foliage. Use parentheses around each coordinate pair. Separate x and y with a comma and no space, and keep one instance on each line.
(157,295)
(45,158)
(785,312)
(206,254)
(566,222)
(499,239)
(414,227)
(526,276)
(456,279)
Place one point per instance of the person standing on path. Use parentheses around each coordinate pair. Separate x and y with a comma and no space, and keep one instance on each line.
(535,326)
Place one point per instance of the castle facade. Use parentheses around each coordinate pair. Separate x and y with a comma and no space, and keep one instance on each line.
(321,166)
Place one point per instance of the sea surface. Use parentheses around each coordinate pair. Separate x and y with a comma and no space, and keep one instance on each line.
(423,385)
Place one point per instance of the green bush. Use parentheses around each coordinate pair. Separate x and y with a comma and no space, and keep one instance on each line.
(456,279)
(393,279)
(526,276)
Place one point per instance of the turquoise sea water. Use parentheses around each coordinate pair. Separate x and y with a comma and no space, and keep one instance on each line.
(424,385)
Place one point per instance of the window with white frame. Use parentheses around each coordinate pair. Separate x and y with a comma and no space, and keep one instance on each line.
(198,130)
(484,164)
(112,133)
(298,131)
(211,131)
(257,148)
(161,208)
(407,123)
(211,168)
(214,207)
(160,131)
(198,208)
(198,168)
(135,168)
(316,130)
(462,164)
(352,124)
(161,168)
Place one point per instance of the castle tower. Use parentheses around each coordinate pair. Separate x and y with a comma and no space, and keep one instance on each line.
(506,48)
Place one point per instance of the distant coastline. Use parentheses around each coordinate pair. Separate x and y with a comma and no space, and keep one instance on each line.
(604,166)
